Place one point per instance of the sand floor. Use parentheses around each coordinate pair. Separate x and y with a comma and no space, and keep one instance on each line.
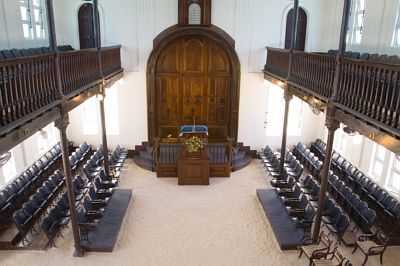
(167,224)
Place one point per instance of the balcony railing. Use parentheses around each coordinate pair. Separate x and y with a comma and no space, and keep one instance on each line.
(367,88)
(28,84)
(277,62)
(313,71)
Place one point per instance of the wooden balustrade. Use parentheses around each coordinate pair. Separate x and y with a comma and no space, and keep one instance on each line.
(314,72)
(79,69)
(277,62)
(26,85)
(110,59)
(366,87)
(372,89)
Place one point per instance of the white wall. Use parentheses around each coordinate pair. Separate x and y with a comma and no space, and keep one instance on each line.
(253,24)
(27,153)
(11,28)
(379,21)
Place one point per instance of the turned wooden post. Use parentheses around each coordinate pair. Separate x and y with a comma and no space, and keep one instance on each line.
(62,124)
(103,128)
(288,96)
(332,124)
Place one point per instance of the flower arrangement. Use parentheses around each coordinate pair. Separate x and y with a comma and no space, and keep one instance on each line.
(193,144)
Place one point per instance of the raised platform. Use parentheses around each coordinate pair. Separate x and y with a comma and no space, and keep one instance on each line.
(103,239)
(286,232)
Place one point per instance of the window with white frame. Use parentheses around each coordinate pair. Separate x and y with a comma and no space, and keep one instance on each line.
(111,110)
(32,18)
(89,117)
(357,22)
(276,109)
(394,178)
(378,161)
(9,170)
(396,33)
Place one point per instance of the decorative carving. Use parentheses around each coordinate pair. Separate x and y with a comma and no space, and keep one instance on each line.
(62,122)
(288,95)
(330,121)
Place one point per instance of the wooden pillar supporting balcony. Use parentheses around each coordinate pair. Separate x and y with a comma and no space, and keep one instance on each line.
(62,124)
(288,96)
(103,128)
(332,124)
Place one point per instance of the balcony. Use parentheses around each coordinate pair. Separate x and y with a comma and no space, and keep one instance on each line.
(30,95)
(368,91)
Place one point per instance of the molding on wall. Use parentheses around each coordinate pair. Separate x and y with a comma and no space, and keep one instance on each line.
(145,31)
(242,32)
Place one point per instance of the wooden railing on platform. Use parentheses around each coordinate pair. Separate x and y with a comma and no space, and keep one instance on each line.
(371,89)
(367,89)
(28,84)
(110,59)
(313,71)
(79,69)
(277,62)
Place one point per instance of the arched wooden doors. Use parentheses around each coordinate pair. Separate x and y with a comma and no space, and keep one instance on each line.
(193,79)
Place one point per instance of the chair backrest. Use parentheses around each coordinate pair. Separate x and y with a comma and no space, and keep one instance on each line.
(342,224)
(389,202)
(364,56)
(393,59)
(303,202)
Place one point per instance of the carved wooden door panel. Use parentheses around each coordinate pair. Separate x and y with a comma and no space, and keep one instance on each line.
(193,100)
(169,100)
(218,100)
(193,83)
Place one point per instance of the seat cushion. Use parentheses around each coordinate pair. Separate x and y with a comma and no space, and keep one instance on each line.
(366,245)
(309,249)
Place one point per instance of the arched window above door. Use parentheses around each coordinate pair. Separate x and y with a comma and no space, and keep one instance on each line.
(194,17)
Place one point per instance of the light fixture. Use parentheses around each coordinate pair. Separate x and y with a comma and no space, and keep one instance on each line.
(348,130)
(4,158)
(100,97)
(43,134)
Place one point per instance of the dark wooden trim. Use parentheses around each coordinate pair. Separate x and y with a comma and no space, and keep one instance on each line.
(28,129)
(173,33)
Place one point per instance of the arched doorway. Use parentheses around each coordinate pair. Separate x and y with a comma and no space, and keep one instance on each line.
(300,42)
(86,28)
(193,76)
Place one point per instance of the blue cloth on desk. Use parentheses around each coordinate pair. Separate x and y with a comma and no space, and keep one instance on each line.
(193,129)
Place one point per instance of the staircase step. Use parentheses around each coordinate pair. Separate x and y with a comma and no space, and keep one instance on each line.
(241,163)
(239,155)
(143,162)
(146,154)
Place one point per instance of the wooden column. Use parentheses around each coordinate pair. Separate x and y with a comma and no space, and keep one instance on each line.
(288,96)
(342,46)
(53,46)
(103,128)
(332,124)
(62,124)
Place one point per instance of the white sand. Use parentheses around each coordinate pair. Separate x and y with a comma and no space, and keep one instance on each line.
(167,224)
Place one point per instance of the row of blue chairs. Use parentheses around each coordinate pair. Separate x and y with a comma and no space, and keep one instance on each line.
(386,206)
(308,159)
(384,58)
(18,53)
(15,194)
(31,211)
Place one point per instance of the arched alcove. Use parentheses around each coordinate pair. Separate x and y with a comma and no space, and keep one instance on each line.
(300,42)
(193,73)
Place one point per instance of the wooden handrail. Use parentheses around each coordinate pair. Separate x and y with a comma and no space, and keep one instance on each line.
(366,87)
(28,83)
